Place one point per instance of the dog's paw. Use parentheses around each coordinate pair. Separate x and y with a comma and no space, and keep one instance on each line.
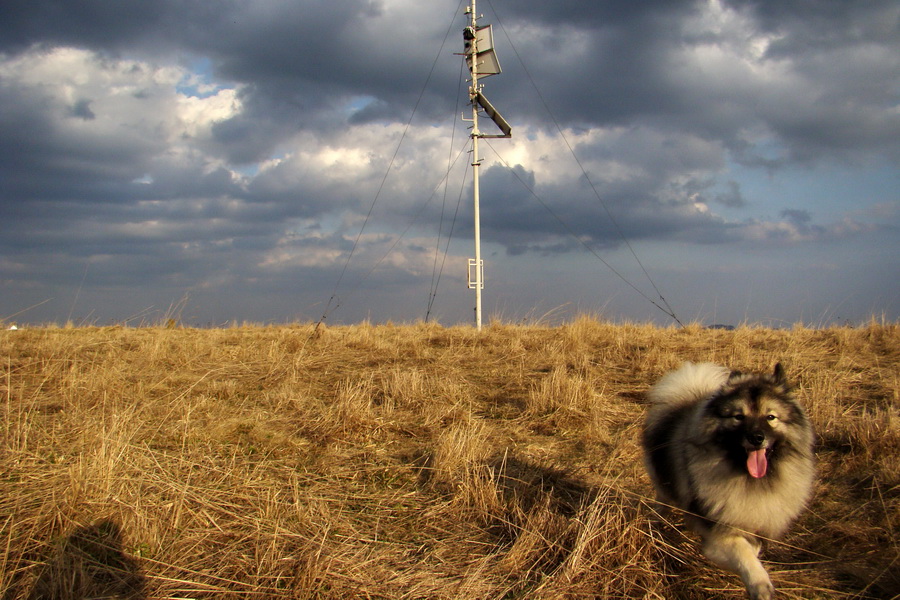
(761,590)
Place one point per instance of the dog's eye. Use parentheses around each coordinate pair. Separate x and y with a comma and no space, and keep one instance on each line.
(772,417)
(738,417)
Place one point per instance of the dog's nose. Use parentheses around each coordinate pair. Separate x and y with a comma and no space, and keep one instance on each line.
(756,438)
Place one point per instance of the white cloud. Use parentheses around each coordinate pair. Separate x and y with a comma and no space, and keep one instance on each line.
(113,116)
(198,114)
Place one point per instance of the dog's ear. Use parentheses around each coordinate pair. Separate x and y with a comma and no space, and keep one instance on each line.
(778,374)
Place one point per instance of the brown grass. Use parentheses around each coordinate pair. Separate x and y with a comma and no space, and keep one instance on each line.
(410,461)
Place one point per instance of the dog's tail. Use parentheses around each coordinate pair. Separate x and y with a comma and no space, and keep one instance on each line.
(691,382)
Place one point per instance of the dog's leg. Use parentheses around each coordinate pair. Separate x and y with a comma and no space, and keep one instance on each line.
(735,552)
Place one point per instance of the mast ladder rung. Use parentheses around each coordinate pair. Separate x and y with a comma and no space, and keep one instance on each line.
(474,280)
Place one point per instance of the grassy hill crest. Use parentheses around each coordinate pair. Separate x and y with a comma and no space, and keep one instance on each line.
(410,461)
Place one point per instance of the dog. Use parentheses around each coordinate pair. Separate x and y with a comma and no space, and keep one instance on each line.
(734,451)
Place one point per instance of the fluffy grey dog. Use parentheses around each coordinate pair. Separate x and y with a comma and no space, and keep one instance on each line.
(735,453)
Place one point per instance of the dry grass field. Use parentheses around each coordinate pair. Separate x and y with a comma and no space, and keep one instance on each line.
(410,461)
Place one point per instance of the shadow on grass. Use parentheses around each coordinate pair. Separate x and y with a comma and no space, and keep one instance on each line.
(528,484)
(90,563)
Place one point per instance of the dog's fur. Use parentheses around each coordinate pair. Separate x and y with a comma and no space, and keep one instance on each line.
(735,453)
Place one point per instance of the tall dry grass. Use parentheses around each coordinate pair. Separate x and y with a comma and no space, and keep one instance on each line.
(410,462)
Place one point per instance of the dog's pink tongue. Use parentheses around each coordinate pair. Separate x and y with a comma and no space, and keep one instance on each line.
(757,464)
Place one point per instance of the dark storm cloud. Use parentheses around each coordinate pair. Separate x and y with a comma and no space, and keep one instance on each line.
(825,24)
(603,13)
(732,196)
(820,76)
(845,58)
(556,219)
(306,53)
(300,60)
(238,145)
(85,23)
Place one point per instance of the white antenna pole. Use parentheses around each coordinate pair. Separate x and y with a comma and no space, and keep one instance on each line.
(477,264)
(480,56)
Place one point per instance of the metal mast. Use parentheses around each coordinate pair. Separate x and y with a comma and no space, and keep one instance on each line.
(479,53)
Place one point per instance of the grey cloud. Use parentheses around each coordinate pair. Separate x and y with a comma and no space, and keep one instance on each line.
(551,224)
(48,151)
(797,216)
(82,110)
(824,24)
(630,64)
(816,98)
(565,220)
(677,95)
(86,23)
(732,196)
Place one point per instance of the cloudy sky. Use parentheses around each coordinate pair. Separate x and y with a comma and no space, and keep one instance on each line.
(276,161)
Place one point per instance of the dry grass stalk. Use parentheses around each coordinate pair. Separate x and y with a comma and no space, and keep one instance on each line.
(409,461)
